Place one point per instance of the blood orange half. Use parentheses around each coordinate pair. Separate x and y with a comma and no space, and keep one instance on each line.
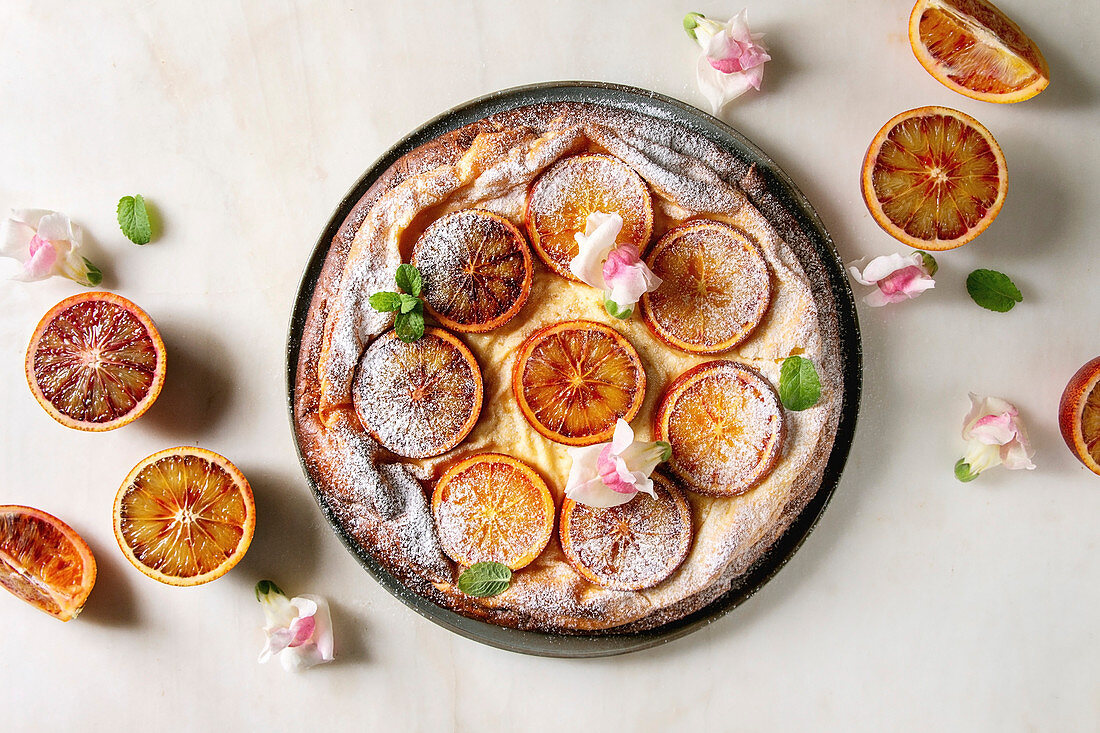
(95,362)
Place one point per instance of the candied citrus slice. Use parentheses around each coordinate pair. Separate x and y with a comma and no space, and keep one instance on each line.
(573,380)
(418,399)
(493,508)
(970,46)
(716,287)
(934,178)
(560,200)
(184,516)
(632,546)
(44,561)
(95,362)
(1079,415)
(725,424)
(476,268)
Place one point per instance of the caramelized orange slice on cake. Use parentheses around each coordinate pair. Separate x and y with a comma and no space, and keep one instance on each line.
(476,268)
(716,287)
(95,362)
(934,178)
(1079,415)
(560,200)
(725,424)
(493,508)
(573,380)
(970,46)
(44,561)
(632,546)
(184,516)
(418,399)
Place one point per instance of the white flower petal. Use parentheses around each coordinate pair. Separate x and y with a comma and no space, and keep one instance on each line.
(595,493)
(15,239)
(719,88)
(600,232)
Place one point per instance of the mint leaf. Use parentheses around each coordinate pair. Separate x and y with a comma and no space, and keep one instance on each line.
(410,326)
(484,579)
(962,471)
(408,279)
(993,290)
(385,302)
(133,219)
(799,386)
(408,303)
(94,275)
(615,311)
(930,263)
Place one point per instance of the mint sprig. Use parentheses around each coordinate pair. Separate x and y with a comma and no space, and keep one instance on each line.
(485,579)
(409,322)
(799,385)
(993,290)
(133,219)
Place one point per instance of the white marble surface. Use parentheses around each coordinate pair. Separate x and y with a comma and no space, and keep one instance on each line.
(918,602)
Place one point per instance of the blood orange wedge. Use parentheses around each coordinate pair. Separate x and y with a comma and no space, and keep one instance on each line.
(418,399)
(476,268)
(95,362)
(725,424)
(716,288)
(184,516)
(934,178)
(44,561)
(1079,415)
(560,200)
(493,508)
(573,380)
(970,46)
(632,546)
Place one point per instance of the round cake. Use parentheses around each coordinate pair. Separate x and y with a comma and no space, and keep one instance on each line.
(420,450)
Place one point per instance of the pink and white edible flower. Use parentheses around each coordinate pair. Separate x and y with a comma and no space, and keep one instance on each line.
(616,269)
(995,436)
(609,474)
(733,58)
(299,630)
(47,244)
(895,277)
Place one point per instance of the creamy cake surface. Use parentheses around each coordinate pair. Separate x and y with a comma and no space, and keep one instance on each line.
(383,500)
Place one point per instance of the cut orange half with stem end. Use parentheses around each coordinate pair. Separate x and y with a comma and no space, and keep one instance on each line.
(934,178)
(970,46)
(562,197)
(725,424)
(493,508)
(477,270)
(418,399)
(95,362)
(715,290)
(574,380)
(44,561)
(632,546)
(1079,415)
(184,516)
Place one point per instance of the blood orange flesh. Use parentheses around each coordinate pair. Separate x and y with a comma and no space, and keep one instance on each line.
(44,561)
(1079,415)
(95,362)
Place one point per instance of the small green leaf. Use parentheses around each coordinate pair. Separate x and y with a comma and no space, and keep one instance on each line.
(267,587)
(133,219)
(615,311)
(962,471)
(930,263)
(410,326)
(408,279)
(666,449)
(385,302)
(94,276)
(691,21)
(484,579)
(408,303)
(993,290)
(799,385)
